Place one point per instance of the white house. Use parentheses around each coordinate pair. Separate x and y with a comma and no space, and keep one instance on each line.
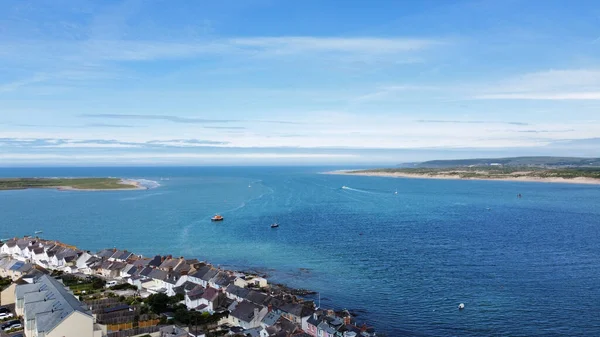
(81,263)
(193,297)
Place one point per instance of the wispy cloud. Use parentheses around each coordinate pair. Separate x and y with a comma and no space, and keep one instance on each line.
(22,82)
(545,131)
(226,127)
(186,142)
(305,44)
(184,120)
(543,96)
(107,125)
(174,119)
(76,126)
(387,91)
(577,84)
(439,121)
(109,143)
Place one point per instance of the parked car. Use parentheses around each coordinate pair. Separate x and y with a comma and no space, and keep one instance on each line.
(4,315)
(111,283)
(14,324)
(11,322)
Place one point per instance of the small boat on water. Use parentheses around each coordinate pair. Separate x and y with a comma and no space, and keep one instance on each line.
(275,225)
(396,192)
(38,232)
(344,187)
(217,217)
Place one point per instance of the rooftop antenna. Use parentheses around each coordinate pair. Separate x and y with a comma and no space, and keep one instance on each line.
(319,300)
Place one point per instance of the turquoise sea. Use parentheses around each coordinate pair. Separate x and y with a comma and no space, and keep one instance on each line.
(403,262)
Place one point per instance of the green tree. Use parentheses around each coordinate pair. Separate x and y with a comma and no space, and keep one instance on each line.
(158,302)
(98,283)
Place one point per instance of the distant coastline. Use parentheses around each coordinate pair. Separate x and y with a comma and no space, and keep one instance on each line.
(71,184)
(522,176)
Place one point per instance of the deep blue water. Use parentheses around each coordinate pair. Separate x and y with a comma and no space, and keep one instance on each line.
(523,267)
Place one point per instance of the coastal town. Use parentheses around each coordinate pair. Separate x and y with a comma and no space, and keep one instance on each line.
(50,288)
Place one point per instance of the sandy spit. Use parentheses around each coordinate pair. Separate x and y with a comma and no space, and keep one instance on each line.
(137,185)
(578,180)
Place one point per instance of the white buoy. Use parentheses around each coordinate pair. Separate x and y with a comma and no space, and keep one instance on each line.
(461,306)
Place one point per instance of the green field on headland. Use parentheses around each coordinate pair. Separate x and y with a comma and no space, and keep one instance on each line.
(66,183)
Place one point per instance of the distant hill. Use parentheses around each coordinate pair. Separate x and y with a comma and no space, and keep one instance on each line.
(545,162)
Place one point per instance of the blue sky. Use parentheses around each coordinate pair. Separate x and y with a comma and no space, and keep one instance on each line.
(240,81)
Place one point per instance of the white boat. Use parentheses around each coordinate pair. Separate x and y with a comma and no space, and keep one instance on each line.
(396,192)
(38,232)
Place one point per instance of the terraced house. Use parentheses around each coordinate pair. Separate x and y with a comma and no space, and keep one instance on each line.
(49,310)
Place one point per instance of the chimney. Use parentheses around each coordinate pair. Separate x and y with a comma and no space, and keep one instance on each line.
(315,317)
(270,308)
(255,313)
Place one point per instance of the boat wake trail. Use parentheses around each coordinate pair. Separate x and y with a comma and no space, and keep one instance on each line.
(357,190)
(142,196)
(242,205)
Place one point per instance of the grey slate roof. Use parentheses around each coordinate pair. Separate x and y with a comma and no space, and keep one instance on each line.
(155,262)
(271,318)
(170,263)
(201,272)
(237,291)
(106,253)
(125,255)
(296,309)
(173,331)
(171,279)
(288,326)
(157,274)
(209,275)
(256,297)
(222,279)
(141,262)
(196,293)
(58,304)
(116,254)
(325,327)
(245,311)
(146,271)
(210,294)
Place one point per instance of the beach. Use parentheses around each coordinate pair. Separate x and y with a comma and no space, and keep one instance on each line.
(448,176)
(128,185)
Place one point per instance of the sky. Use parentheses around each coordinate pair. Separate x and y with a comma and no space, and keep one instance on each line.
(296,82)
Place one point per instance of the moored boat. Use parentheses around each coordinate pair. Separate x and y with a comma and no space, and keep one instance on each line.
(217,217)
